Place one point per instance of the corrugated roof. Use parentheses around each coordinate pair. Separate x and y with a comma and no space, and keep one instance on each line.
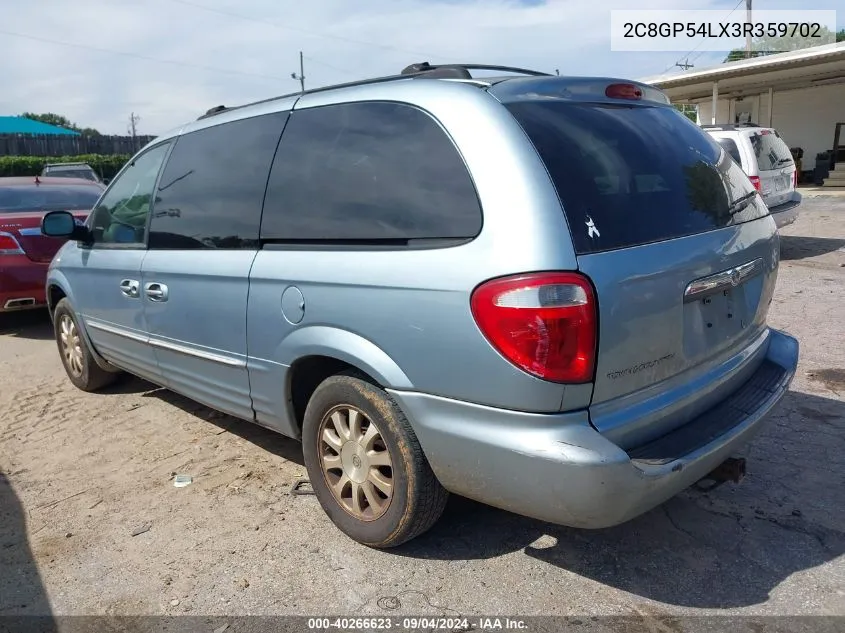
(21,125)
(746,67)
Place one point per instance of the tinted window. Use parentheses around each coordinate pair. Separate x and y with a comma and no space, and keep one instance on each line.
(121,216)
(369,172)
(770,150)
(68,173)
(48,198)
(630,175)
(730,147)
(211,191)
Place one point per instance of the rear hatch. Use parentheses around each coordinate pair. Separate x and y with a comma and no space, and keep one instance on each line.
(776,168)
(678,246)
(23,206)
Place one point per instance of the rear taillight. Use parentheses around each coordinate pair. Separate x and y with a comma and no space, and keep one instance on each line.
(623,91)
(755,180)
(795,179)
(544,323)
(9,245)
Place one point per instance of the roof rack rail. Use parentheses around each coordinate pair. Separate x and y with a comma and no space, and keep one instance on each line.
(728,126)
(461,71)
(213,111)
(424,69)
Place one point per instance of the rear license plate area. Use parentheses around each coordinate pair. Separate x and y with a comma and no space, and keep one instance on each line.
(720,312)
(714,321)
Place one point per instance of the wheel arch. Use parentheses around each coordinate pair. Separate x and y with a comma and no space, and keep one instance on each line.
(319,352)
(58,288)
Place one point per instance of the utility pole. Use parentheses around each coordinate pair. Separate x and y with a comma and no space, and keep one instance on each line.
(686,65)
(133,130)
(301,75)
(748,33)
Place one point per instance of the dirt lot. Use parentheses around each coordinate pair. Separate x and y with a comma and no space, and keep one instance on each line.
(79,474)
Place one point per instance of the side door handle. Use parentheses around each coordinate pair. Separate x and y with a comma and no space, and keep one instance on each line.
(130,288)
(156,291)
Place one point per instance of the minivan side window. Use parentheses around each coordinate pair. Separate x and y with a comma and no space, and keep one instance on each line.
(371,172)
(212,187)
(122,214)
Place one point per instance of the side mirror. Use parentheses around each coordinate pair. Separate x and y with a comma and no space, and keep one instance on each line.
(62,224)
(106,181)
(58,224)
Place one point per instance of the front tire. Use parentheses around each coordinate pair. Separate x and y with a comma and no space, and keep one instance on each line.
(81,368)
(366,465)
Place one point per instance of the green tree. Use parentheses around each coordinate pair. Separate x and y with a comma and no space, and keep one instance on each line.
(688,110)
(61,121)
(769,45)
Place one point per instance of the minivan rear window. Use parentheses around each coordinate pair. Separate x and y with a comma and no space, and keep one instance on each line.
(770,150)
(633,174)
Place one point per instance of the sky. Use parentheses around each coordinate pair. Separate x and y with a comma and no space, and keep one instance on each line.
(168,61)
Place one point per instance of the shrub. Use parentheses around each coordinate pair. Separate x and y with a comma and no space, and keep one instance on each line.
(105,165)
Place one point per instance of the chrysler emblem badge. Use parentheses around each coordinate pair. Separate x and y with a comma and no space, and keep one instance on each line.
(736,277)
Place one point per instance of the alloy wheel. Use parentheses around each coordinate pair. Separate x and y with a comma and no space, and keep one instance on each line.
(356,462)
(71,345)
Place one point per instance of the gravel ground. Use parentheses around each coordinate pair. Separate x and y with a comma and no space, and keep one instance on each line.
(81,473)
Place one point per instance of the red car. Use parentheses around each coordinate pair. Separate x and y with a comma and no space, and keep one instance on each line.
(25,254)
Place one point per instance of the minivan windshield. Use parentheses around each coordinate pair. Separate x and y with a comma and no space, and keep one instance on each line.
(634,174)
(48,198)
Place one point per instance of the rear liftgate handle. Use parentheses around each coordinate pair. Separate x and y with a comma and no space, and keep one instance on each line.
(156,291)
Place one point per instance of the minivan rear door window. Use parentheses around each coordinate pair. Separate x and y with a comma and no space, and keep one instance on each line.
(368,173)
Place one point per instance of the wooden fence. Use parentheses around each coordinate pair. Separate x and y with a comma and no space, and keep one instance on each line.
(49,145)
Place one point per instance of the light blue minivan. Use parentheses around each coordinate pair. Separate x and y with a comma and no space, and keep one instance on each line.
(545,293)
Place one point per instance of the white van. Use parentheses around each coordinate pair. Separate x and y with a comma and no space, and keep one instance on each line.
(763,155)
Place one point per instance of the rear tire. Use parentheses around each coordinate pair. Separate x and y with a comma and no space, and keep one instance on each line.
(81,368)
(366,465)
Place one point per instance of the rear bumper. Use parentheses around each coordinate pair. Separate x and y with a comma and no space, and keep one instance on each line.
(558,468)
(786,213)
(21,280)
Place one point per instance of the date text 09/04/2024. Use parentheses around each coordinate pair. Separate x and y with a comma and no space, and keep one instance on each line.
(416,624)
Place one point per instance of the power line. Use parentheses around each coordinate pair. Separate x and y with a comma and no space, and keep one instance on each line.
(686,55)
(297,29)
(138,56)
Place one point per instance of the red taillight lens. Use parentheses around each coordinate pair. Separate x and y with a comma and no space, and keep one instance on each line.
(544,323)
(755,180)
(795,179)
(623,91)
(9,245)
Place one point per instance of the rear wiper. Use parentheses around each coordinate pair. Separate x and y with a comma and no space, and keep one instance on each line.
(784,160)
(740,204)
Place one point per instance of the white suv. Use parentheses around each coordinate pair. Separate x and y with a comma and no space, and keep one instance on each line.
(764,156)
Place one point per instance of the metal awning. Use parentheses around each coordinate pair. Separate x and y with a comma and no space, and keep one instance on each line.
(820,65)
